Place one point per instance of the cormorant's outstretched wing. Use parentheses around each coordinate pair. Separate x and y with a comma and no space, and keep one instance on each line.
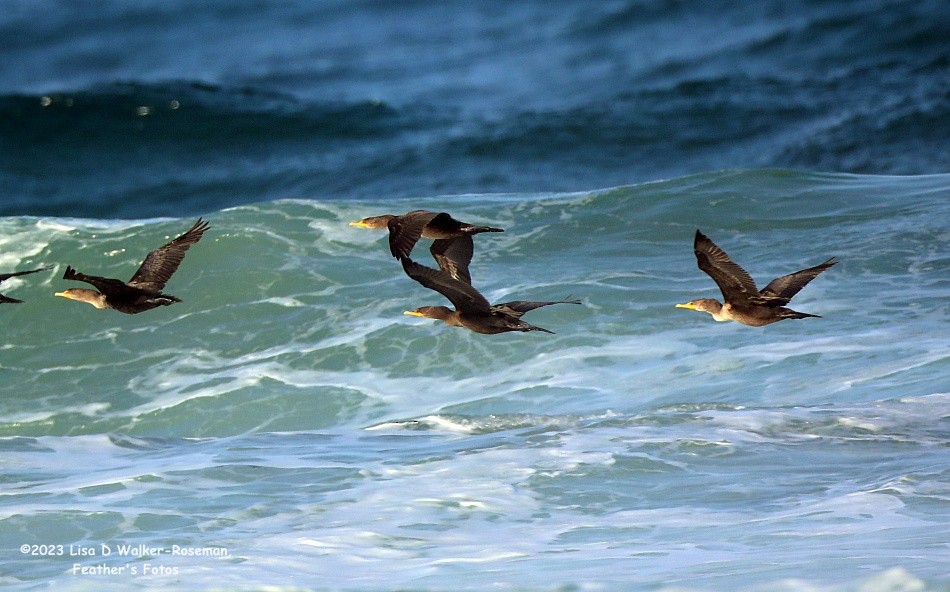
(108,286)
(465,298)
(454,256)
(736,285)
(160,264)
(406,230)
(782,289)
(519,307)
(6,276)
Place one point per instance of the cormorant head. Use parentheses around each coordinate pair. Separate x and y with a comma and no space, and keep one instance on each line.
(374,221)
(431,312)
(709,305)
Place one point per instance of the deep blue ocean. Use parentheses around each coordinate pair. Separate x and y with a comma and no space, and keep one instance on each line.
(286,428)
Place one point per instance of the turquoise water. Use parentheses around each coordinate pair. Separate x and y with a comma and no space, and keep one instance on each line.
(288,413)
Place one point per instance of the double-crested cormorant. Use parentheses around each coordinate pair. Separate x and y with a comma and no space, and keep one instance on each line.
(472,310)
(405,230)
(6,276)
(144,291)
(743,302)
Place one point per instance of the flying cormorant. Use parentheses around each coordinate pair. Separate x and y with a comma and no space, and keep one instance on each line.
(405,230)
(743,302)
(472,310)
(144,291)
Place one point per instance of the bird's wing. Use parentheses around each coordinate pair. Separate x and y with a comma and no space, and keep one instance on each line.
(519,307)
(406,230)
(160,264)
(108,286)
(734,282)
(465,298)
(782,289)
(454,256)
(6,276)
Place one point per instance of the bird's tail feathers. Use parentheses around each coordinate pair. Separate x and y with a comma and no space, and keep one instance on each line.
(478,229)
(794,314)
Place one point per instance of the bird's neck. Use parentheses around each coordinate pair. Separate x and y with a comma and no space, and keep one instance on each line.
(446,315)
(719,312)
(92,297)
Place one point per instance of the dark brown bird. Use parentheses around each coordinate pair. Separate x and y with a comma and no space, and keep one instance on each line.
(6,276)
(742,301)
(472,310)
(144,291)
(406,230)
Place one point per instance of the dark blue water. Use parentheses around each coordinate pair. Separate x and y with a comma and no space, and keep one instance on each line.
(138,109)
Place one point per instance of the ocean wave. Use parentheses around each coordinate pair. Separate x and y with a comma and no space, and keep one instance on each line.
(283,302)
(288,397)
